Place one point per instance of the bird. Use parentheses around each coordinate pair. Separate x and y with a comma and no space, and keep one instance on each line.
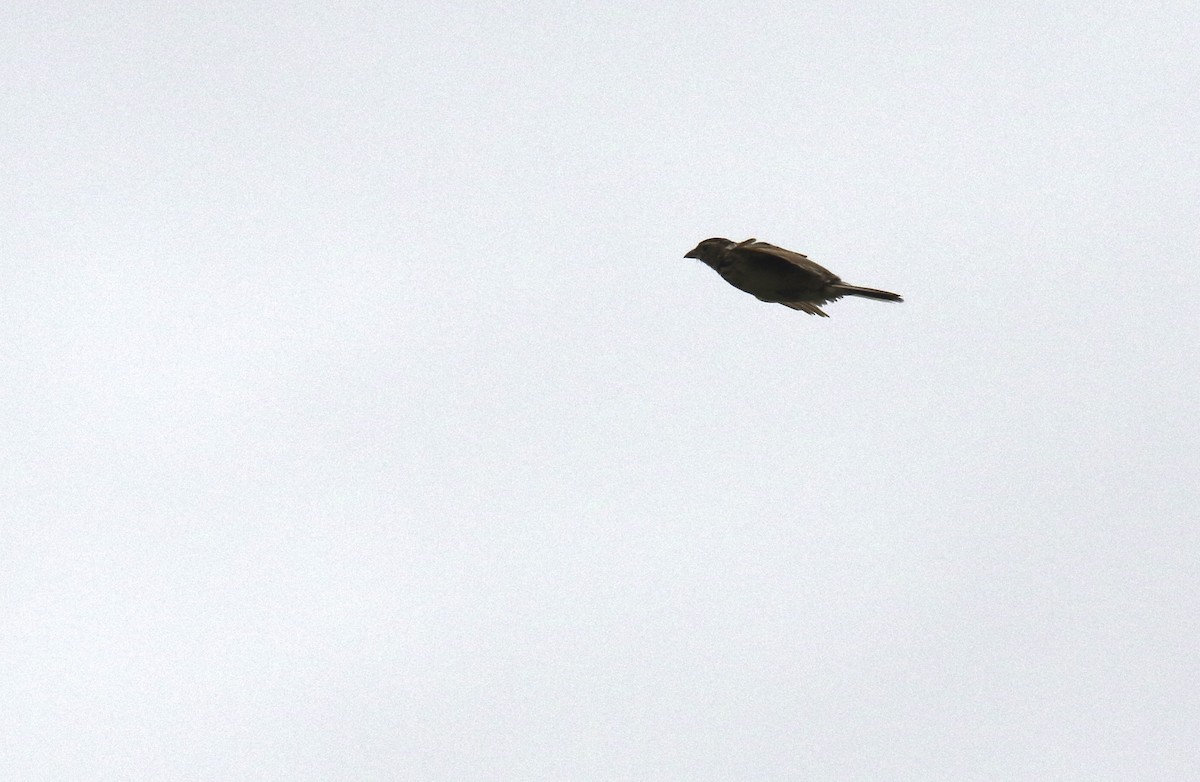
(780,276)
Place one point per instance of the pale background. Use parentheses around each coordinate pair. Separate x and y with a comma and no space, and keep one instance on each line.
(362,420)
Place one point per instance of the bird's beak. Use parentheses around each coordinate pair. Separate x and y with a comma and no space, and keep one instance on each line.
(693,254)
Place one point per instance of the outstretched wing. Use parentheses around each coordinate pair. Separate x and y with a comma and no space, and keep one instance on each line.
(762,249)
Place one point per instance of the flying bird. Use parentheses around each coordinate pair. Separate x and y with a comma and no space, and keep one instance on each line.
(777,275)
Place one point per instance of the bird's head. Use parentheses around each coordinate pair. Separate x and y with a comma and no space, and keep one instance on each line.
(710,250)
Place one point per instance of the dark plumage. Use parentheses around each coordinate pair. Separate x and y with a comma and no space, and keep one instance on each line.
(777,275)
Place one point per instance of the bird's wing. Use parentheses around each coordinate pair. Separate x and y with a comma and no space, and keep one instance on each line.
(763,249)
(805,306)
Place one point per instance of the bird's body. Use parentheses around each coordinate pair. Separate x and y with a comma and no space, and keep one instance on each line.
(777,275)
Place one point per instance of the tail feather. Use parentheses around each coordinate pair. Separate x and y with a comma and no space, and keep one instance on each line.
(866,293)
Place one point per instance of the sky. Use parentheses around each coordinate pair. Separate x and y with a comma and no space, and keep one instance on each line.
(363,419)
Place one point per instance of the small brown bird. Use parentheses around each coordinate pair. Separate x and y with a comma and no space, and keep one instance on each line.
(777,275)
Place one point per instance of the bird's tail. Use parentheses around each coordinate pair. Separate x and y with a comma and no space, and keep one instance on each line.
(866,293)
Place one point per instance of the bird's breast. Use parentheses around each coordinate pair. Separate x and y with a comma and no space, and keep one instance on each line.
(770,281)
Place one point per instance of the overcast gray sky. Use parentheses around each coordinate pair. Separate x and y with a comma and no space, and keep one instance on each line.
(363,420)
